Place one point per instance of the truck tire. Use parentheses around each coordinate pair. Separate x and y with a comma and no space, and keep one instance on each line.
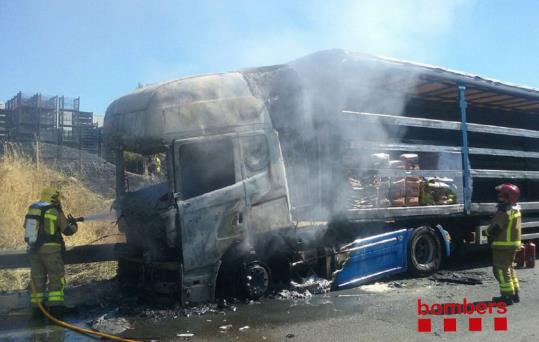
(254,280)
(424,252)
(242,275)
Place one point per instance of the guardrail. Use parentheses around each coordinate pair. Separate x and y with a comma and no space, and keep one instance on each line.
(75,255)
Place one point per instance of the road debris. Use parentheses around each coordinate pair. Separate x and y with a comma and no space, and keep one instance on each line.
(462,277)
(313,285)
(304,289)
(397,284)
(225,328)
(245,328)
(287,294)
(376,288)
(159,313)
(111,325)
(185,336)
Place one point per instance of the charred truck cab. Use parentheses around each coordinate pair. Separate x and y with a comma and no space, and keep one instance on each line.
(224,205)
(350,166)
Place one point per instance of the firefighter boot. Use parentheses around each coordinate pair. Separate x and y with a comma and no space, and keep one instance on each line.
(516,298)
(508,300)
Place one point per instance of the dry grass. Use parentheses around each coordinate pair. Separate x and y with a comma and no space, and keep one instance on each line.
(20,185)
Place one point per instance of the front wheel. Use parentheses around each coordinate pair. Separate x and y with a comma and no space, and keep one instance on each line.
(254,280)
(424,252)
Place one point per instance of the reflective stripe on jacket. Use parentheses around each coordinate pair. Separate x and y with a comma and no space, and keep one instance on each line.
(510,222)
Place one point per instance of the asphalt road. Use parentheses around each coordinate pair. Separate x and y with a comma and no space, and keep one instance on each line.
(385,311)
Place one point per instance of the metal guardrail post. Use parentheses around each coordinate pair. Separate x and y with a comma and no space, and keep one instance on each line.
(466,178)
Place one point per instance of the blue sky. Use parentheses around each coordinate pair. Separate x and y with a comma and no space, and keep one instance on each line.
(100,50)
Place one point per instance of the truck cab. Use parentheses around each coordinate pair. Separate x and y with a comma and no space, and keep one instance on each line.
(224,201)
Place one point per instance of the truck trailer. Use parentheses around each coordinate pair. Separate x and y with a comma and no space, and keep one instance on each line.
(346,165)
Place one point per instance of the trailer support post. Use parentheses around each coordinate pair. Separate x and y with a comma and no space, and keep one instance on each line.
(466,181)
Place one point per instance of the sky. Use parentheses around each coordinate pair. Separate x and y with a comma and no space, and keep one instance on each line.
(101,50)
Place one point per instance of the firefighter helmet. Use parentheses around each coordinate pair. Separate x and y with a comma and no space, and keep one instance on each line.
(511,192)
(50,194)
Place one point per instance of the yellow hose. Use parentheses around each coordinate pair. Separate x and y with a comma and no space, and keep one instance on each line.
(74,327)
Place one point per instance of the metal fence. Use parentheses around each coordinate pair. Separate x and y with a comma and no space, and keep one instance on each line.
(49,119)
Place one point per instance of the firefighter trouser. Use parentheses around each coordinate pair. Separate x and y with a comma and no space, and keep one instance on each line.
(502,265)
(46,263)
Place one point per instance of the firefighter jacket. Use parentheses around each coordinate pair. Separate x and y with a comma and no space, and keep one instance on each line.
(505,228)
(52,223)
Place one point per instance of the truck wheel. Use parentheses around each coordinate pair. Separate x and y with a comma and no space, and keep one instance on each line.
(254,280)
(424,252)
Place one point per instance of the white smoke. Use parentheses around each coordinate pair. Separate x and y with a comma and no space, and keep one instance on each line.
(410,29)
(245,33)
(222,36)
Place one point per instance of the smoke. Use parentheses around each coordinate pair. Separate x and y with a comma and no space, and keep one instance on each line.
(333,81)
(414,29)
(249,33)
(336,81)
(246,33)
(390,27)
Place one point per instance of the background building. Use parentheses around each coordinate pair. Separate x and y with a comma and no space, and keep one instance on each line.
(48,119)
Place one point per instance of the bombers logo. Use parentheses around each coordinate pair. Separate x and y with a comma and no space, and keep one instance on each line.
(464,308)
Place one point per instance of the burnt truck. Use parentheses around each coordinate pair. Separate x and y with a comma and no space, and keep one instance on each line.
(341,164)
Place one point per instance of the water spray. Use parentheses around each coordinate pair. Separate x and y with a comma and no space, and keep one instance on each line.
(104,216)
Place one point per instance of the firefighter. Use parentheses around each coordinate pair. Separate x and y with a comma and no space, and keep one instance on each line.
(158,165)
(154,166)
(504,236)
(44,225)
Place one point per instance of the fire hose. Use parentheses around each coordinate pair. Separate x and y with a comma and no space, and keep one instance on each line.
(75,328)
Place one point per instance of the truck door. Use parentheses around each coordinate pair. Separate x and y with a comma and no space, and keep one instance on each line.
(210,196)
(267,206)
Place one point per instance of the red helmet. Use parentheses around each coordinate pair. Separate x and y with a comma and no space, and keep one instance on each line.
(510,191)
